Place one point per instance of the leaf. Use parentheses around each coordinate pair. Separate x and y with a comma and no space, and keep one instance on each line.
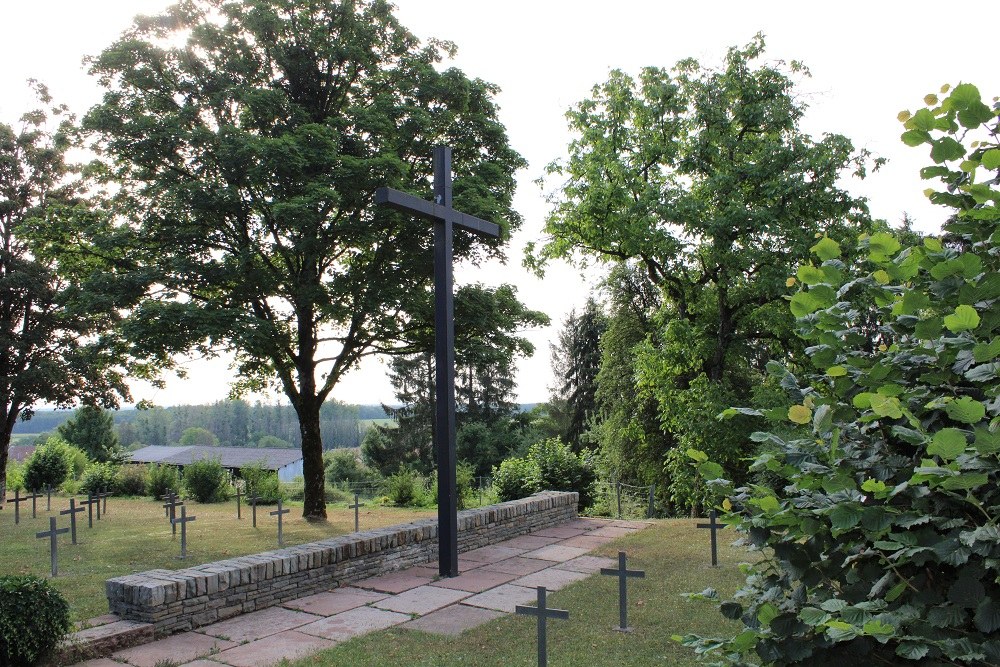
(878,628)
(945,149)
(731,610)
(984,352)
(826,249)
(845,516)
(947,443)
(965,318)
(883,246)
(711,470)
(810,275)
(987,616)
(836,371)
(966,410)
(698,455)
(800,414)
(987,442)
(767,613)
(912,650)
(991,159)
(833,605)
(881,277)
(966,481)
(886,406)
(769,504)
(963,96)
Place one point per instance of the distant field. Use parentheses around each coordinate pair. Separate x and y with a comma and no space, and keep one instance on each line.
(365,424)
(23,438)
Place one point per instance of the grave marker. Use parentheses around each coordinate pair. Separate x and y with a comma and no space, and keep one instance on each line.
(17,500)
(171,507)
(89,502)
(34,503)
(52,533)
(104,495)
(280,512)
(253,505)
(542,613)
(73,509)
(714,527)
(96,498)
(184,522)
(238,516)
(623,574)
(355,507)
(445,219)
(48,501)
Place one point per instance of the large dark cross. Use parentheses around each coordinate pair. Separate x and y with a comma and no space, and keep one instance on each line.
(714,526)
(52,533)
(183,520)
(445,219)
(623,574)
(543,613)
(73,509)
(173,502)
(280,513)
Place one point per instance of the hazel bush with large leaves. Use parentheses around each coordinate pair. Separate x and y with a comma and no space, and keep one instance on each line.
(879,543)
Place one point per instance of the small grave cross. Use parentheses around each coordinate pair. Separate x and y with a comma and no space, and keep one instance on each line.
(238,515)
(52,533)
(714,527)
(89,502)
(173,502)
(355,507)
(104,495)
(73,509)
(96,499)
(542,613)
(445,219)
(167,497)
(34,503)
(623,574)
(17,500)
(254,499)
(280,512)
(48,502)
(183,520)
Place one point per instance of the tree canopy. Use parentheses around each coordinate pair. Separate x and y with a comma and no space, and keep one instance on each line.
(248,140)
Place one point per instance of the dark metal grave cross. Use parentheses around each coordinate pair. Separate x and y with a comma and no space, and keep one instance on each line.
(171,507)
(713,526)
(623,574)
(48,501)
(52,533)
(17,500)
(89,502)
(445,219)
(356,506)
(96,499)
(543,613)
(183,520)
(238,516)
(104,495)
(253,504)
(167,497)
(279,513)
(73,509)
(34,502)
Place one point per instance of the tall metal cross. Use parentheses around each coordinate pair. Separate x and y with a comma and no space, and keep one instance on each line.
(714,527)
(183,520)
(279,513)
(254,499)
(73,509)
(35,495)
(96,499)
(623,574)
(104,495)
(543,613)
(445,219)
(238,514)
(52,533)
(48,501)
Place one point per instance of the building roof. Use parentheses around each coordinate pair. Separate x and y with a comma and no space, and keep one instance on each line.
(20,453)
(230,457)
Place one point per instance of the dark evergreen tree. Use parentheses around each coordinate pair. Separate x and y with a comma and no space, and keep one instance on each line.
(93,430)
(576,360)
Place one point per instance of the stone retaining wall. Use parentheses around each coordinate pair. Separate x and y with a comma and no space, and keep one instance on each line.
(175,600)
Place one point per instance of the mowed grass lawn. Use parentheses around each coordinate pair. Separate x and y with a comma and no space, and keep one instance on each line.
(135,536)
(675,556)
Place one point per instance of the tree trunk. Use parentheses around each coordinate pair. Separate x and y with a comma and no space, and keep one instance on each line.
(314,501)
(5,432)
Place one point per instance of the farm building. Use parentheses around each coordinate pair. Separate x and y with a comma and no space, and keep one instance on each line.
(20,453)
(286,462)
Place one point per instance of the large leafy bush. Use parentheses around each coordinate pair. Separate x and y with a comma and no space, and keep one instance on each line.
(33,618)
(99,477)
(49,465)
(262,482)
(880,543)
(549,466)
(161,480)
(206,480)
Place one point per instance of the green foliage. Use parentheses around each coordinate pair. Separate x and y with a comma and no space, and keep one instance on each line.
(560,469)
(33,618)
(576,361)
(99,477)
(131,480)
(197,435)
(275,442)
(262,482)
(405,488)
(15,476)
(78,461)
(879,540)
(343,467)
(161,480)
(206,481)
(92,430)
(49,465)
(515,478)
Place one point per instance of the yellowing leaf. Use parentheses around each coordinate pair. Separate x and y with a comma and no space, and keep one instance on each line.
(790,282)
(930,99)
(945,88)
(826,249)
(881,277)
(903,116)
(836,371)
(800,414)
(727,505)
(965,318)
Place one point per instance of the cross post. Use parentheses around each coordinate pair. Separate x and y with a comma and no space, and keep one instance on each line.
(445,219)
(173,502)
(48,502)
(542,613)
(183,520)
(17,500)
(96,497)
(652,498)
(254,499)
(238,516)
(623,574)
(34,503)
(279,513)
(52,533)
(89,502)
(355,507)
(104,495)
(714,527)
(73,509)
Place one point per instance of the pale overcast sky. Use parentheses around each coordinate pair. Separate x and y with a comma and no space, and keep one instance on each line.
(869,60)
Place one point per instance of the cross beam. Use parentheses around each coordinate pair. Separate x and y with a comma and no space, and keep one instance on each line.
(445,219)
(623,574)
(714,526)
(543,613)
(52,533)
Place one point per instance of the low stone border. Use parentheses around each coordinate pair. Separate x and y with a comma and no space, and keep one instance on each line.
(171,601)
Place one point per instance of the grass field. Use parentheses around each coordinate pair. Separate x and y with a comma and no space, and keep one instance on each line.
(674,555)
(135,536)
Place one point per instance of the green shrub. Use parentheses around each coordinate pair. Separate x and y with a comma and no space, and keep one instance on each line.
(262,482)
(99,477)
(560,469)
(344,467)
(130,481)
(15,476)
(880,544)
(515,478)
(33,618)
(48,465)
(161,480)
(405,489)
(206,480)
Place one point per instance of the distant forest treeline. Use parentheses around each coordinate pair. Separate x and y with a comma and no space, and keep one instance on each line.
(234,423)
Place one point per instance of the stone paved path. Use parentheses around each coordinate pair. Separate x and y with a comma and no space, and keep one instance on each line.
(493,580)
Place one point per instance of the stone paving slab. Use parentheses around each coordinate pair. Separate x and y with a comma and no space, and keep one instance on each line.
(503,598)
(636,525)
(553,579)
(258,624)
(529,542)
(586,541)
(422,600)
(492,554)
(556,552)
(354,623)
(102,662)
(587,564)
(423,571)
(203,662)
(397,582)
(587,523)
(562,532)
(335,601)
(454,620)
(464,565)
(475,581)
(613,531)
(290,645)
(175,649)
(520,566)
